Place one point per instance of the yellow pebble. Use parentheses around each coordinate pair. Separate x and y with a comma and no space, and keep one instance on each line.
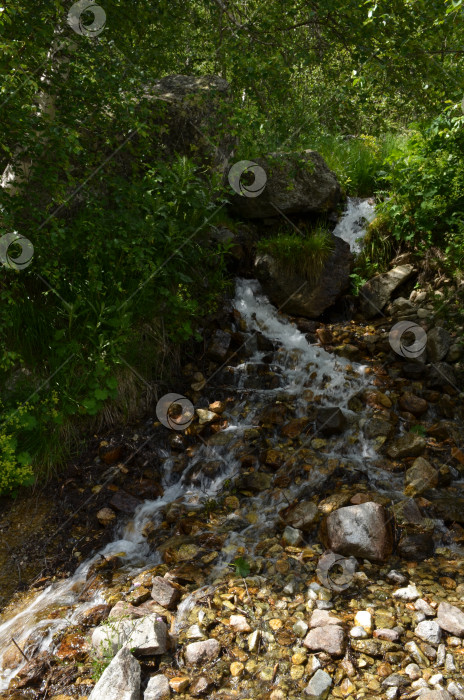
(236,668)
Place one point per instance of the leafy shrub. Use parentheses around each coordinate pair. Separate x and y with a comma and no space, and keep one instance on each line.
(426,206)
(298,254)
(135,254)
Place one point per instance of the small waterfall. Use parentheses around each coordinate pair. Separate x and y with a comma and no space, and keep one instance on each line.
(353,224)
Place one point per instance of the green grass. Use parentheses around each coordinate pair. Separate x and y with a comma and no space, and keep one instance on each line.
(299,254)
(359,163)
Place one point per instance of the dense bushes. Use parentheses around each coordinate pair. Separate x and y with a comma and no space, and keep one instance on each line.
(133,261)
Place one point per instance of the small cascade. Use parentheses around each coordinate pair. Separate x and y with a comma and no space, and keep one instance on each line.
(353,224)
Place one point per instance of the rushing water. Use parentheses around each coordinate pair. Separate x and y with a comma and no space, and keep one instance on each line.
(300,367)
(352,226)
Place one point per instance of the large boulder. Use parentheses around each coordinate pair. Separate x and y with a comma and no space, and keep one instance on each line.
(120,680)
(191,114)
(297,296)
(291,183)
(361,531)
(376,293)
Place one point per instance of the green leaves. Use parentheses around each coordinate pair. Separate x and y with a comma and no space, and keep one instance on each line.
(242,567)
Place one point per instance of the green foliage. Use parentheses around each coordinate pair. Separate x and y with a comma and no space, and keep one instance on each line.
(298,254)
(242,567)
(426,205)
(418,430)
(359,162)
(134,252)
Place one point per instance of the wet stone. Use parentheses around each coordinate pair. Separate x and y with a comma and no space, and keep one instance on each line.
(451,619)
(319,686)
(200,652)
(330,638)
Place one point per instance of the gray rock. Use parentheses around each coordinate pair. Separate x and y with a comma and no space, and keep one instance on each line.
(422,606)
(148,635)
(120,680)
(330,420)
(420,477)
(438,344)
(388,635)
(429,631)
(413,671)
(330,639)
(301,516)
(294,183)
(377,291)
(319,686)
(436,695)
(321,618)
(454,353)
(192,109)
(291,536)
(361,531)
(200,652)
(456,690)
(451,619)
(409,445)
(157,688)
(395,680)
(408,594)
(164,593)
(296,295)
(219,346)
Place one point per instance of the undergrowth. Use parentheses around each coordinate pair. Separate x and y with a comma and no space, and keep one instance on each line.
(299,254)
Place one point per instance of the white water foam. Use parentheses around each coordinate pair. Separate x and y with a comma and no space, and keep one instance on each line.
(353,224)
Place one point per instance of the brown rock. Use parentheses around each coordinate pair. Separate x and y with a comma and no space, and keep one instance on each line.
(164,593)
(413,404)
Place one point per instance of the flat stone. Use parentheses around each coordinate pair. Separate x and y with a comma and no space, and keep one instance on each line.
(239,623)
(321,618)
(451,619)
(120,680)
(329,638)
(200,652)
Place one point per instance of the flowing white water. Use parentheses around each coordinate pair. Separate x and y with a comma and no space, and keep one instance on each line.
(299,367)
(353,224)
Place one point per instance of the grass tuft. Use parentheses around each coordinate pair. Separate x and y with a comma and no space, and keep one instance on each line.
(304,256)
